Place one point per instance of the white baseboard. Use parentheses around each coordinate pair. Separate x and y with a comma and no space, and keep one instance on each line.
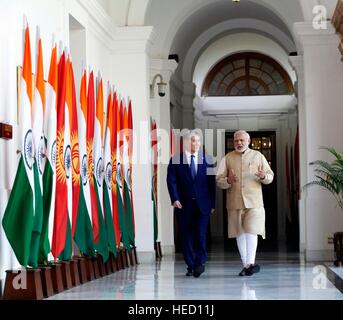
(168,250)
(319,255)
(146,256)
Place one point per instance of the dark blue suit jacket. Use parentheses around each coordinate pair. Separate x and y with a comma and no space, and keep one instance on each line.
(182,187)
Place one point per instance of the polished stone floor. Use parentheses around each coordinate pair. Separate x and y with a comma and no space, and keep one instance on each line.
(284,276)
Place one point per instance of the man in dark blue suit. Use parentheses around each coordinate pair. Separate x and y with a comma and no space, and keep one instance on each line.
(192,190)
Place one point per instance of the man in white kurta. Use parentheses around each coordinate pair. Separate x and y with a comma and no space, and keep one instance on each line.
(242,172)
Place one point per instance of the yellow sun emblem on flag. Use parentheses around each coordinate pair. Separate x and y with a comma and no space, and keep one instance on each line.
(90,161)
(75,157)
(60,167)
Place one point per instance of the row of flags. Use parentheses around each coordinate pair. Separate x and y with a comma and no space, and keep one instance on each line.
(73,181)
(154,170)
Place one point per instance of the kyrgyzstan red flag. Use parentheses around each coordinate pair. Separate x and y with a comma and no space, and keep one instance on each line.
(90,141)
(114,137)
(130,124)
(61,199)
(75,165)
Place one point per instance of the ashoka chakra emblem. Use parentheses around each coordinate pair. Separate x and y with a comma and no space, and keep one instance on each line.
(84,173)
(67,161)
(108,175)
(28,149)
(98,172)
(41,155)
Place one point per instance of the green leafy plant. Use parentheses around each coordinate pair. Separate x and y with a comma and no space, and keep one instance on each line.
(330,175)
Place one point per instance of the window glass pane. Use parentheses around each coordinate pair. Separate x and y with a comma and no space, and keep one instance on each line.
(255,72)
(239,63)
(255,63)
(241,84)
(234,91)
(267,68)
(273,88)
(239,73)
(266,78)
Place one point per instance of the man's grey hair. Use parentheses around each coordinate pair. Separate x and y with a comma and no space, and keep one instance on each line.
(188,134)
(239,132)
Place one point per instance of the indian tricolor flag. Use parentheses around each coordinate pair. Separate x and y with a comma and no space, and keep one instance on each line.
(130,123)
(74,143)
(63,169)
(102,244)
(19,216)
(39,144)
(154,175)
(83,235)
(127,177)
(49,176)
(108,211)
(120,176)
(90,140)
(114,138)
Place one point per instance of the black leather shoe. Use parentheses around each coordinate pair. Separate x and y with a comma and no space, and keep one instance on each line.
(198,271)
(254,268)
(245,272)
(189,272)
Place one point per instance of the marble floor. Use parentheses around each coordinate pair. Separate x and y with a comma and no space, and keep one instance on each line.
(283,276)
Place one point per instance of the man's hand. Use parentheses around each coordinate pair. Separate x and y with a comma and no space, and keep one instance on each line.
(232,178)
(177,204)
(212,210)
(260,173)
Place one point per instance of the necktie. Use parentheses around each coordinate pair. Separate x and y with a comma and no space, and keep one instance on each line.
(192,167)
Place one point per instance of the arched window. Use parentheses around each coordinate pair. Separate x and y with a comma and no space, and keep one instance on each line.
(247,74)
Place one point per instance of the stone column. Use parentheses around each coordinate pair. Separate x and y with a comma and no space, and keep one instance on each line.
(161,112)
(320,116)
(297,62)
(131,75)
(188,105)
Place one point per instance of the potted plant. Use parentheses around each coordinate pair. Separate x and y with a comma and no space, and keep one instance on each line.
(330,177)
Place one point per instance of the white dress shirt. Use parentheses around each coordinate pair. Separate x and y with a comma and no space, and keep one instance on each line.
(188,156)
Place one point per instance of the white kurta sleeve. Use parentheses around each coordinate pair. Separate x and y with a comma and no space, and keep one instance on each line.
(266,168)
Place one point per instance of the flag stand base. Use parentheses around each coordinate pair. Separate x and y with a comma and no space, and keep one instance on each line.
(82,268)
(56,276)
(74,272)
(17,289)
(46,278)
(101,266)
(118,260)
(123,258)
(66,274)
(96,268)
(158,250)
(113,263)
(135,255)
(89,269)
(127,258)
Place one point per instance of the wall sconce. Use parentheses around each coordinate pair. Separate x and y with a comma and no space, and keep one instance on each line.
(160,85)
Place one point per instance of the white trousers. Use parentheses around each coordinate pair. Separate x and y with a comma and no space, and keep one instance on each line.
(247,245)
